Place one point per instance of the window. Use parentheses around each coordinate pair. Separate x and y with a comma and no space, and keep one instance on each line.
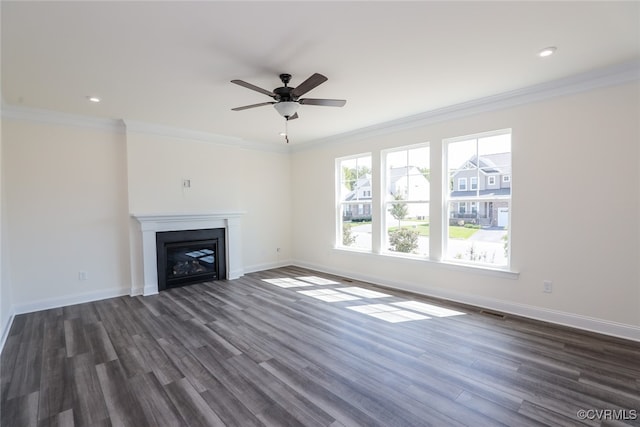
(474,183)
(473,210)
(406,200)
(479,235)
(354,202)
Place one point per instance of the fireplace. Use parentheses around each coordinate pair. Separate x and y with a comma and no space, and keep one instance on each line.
(150,225)
(190,256)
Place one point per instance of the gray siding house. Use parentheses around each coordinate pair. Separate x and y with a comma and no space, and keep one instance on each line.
(480,191)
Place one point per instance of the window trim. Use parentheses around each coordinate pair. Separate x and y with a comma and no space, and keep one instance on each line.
(461,180)
(447,200)
(385,201)
(438,209)
(338,216)
(473,187)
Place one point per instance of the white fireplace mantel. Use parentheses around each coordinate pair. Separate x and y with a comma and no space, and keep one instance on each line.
(150,224)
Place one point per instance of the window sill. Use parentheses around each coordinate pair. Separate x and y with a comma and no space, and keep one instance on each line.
(467,268)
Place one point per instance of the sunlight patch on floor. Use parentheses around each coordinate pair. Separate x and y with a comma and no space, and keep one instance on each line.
(329,295)
(362,292)
(318,280)
(430,309)
(393,312)
(287,282)
(387,313)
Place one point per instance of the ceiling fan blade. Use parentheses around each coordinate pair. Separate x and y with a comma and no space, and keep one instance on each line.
(295,116)
(246,107)
(304,87)
(323,102)
(253,87)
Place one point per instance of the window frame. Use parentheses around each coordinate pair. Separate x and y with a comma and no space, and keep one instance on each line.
(386,201)
(447,200)
(438,207)
(358,202)
(462,182)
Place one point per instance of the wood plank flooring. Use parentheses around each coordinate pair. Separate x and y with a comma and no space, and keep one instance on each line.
(301,350)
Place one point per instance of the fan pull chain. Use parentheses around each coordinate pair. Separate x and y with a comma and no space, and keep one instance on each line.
(286,129)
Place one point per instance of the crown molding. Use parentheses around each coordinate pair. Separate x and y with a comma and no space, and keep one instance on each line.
(619,74)
(133,126)
(13,112)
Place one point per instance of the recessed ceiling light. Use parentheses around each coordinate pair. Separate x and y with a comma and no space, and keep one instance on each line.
(547,51)
(93,99)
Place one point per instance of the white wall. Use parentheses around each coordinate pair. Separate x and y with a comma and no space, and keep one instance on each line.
(6,297)
(223,178)
(69,191)
(575,212)
(65,190)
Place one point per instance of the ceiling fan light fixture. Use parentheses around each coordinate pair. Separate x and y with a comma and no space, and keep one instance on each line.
(286,108)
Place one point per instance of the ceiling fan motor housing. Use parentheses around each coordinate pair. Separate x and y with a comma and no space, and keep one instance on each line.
(284,93)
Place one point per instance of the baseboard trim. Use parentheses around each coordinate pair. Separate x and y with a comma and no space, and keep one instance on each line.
(266,266)
(601,326)
(5,332)
(46,304)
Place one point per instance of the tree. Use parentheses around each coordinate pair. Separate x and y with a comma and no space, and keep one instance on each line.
(348,238)
(399,210)
(404,240)
(426,172)
(350,175)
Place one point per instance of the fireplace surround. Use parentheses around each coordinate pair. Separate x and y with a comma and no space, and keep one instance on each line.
(152,224)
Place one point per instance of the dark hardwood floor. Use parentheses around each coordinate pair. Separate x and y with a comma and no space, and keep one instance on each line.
(251,352)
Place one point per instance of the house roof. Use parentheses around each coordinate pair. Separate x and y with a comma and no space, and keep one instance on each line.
(498,163)
(361,183)
(399,172)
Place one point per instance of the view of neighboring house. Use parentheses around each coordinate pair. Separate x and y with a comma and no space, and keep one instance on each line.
(361,192)
(410,184)
(407,181)
(480,191)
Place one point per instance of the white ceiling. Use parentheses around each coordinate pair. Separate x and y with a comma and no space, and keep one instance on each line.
(170,63)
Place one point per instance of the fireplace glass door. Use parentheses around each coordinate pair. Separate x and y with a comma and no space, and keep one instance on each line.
(190,256)
(186,260)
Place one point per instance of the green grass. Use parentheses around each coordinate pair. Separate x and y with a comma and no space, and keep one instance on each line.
(464,233)
(455,232)
(421,227)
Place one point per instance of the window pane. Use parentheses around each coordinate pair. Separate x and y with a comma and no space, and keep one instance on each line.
(407,228)
(471,242)
(479,200)
(354,196)
(356,226)
(406,207)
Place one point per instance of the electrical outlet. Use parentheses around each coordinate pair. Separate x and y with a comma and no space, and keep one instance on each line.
(277,249)
(186,183)
(547,286)
(82,275)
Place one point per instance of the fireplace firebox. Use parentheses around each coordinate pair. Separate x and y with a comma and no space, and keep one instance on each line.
(190,256)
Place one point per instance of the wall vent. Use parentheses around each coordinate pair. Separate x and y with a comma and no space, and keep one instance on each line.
(492,314)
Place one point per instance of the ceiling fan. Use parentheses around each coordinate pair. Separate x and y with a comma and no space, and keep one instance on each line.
(287,99)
